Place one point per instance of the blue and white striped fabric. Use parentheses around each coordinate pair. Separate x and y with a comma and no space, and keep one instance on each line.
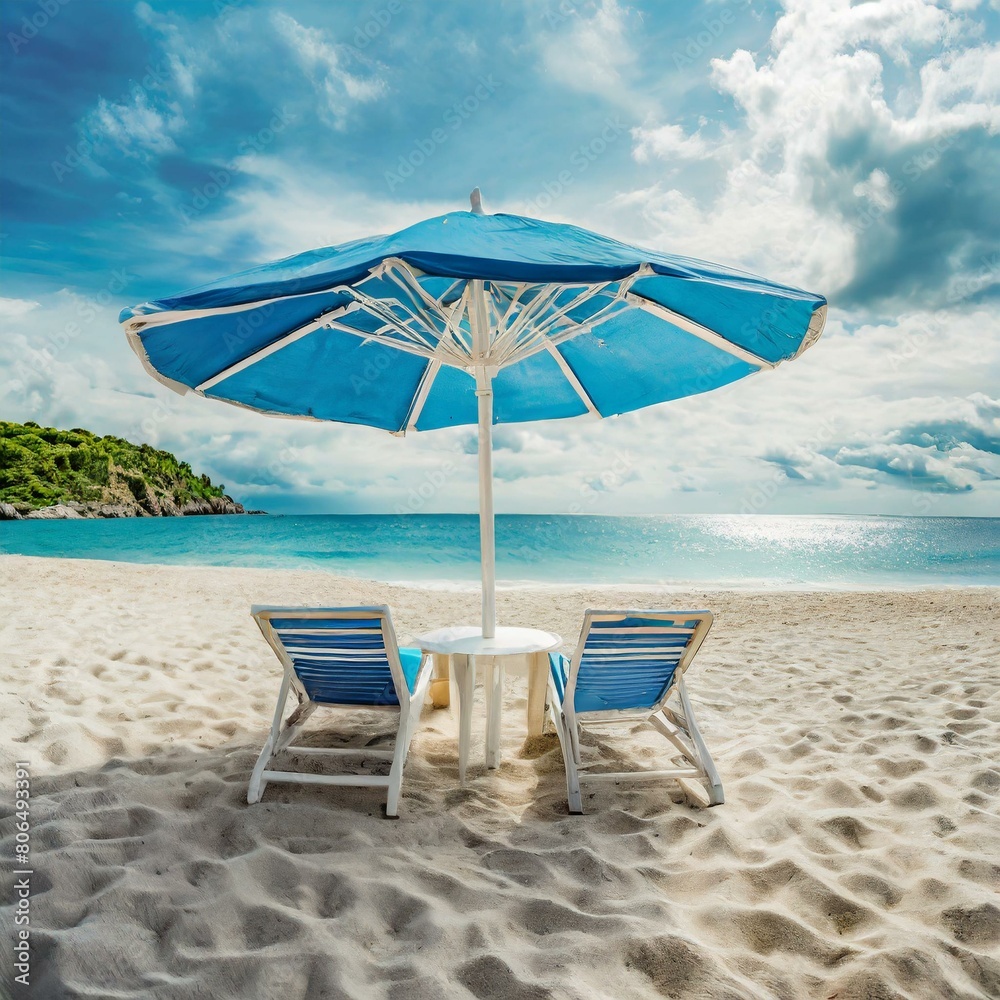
(343,661)
(626,663)
(379,331)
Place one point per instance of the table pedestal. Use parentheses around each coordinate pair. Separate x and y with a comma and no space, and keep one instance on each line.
(466,647)
(440,690)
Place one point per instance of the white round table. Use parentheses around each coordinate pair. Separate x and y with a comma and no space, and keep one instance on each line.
(463,644)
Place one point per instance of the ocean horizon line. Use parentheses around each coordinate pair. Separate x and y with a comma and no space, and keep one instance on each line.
(683,551)
(583,513)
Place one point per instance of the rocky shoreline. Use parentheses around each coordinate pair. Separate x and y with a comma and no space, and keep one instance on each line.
(152,507)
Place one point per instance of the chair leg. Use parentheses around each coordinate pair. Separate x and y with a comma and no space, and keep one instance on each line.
(293,726)
(396,771)
(573,793)
(573,732)
(255,792)
(713,783)
(574,797)
(409,717)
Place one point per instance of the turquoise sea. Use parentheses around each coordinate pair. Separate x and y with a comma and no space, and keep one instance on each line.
(737,551)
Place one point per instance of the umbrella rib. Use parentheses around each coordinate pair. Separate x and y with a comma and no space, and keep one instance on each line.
(702,332)
(541,329)
(398,271)
(376,308)
(572,379)
(374,338)
(379,336)
(273,347)
(422,313)
(426,380)
(538,304)
(451,288)
(508,340)
(404,276)
(540,337)
(166,317)
(326,320)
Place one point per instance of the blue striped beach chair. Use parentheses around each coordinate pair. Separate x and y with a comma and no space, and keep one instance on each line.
(340,658)
(627,666)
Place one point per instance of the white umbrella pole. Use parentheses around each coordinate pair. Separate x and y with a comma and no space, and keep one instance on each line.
(487,544)
(484,396)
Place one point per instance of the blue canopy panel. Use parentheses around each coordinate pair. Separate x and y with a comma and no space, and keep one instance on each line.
(330,375)
(768,323)
(635,359)
(191,351)
(532,389)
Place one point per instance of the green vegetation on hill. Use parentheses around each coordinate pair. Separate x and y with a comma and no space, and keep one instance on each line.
(40,466)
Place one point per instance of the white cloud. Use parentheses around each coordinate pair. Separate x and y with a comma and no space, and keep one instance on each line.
(958,90)
(667,142)
(187,62)
(135,125)
(14,308)
(321,61)
(819,142)
(590,52)
(145,121)
(277,210)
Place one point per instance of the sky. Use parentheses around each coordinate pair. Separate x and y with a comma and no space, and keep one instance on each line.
(851,149)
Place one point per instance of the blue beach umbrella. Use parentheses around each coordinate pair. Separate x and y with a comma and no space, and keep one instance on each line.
(471,319)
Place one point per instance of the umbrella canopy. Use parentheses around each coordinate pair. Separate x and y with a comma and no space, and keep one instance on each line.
(471,318)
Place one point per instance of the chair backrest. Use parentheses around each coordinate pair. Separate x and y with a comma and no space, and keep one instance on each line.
(627,661)
(339,656)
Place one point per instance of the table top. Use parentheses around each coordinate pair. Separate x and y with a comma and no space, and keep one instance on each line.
(468,640)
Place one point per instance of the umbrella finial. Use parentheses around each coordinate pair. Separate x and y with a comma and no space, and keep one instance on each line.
(477,202)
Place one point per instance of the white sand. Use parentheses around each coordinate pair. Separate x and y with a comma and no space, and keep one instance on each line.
(857,855)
